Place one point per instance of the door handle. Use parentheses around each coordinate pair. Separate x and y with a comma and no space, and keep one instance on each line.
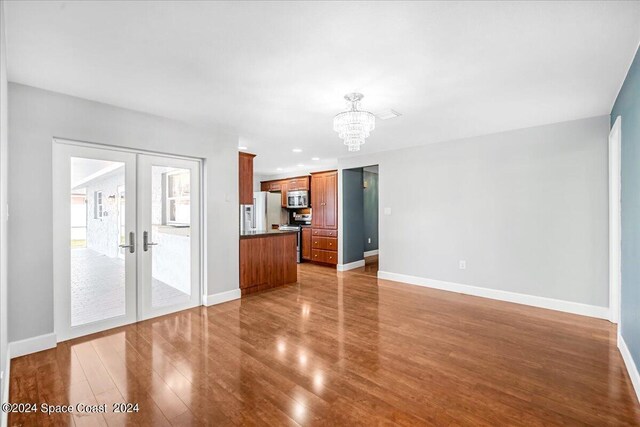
(145,241)
(132,243)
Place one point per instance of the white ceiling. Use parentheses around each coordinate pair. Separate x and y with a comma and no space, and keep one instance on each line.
(276,73)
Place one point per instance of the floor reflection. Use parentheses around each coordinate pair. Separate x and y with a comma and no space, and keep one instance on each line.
(340,349)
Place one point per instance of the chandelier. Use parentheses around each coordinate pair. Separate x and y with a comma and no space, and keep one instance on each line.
(354,126)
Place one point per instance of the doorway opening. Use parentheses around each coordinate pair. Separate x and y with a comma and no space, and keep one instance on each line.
(126,237)
(360,194)
(615,221)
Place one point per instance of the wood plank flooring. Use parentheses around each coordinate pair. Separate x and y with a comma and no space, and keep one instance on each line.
(340,349)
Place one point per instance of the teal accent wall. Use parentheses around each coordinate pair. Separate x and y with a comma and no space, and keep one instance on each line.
(627,106)
(370,210)
(353,213)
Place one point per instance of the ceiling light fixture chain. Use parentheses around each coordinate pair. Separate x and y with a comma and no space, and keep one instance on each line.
(354,125)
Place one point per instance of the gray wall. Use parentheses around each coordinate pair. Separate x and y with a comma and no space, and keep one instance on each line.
(3,198)
(352,201)
(36,117)
(627,106)
(526,209)
(370,200)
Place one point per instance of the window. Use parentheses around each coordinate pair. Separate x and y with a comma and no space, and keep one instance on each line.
(98,209)
(178,197)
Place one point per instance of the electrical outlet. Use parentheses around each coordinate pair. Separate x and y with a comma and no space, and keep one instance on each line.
(369,239)
(463,265)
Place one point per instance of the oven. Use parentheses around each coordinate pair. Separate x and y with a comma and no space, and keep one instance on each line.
(298,230)
(298,199)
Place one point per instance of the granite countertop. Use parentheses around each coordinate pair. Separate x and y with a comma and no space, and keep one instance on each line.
(259,233)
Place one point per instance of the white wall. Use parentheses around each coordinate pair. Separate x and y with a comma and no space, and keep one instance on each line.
(526,209)
(3,199)
(36,117)
(103,234)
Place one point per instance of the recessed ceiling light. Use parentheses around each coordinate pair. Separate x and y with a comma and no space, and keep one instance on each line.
(279,169)
(300,165)
(387,114)
(297,150)
(242,147)
(315,158)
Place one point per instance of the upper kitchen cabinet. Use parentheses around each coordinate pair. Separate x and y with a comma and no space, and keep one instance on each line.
(245,168)
(298,183)
(286,185)
(324,199)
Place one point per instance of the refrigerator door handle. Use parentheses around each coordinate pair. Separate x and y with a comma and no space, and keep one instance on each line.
(253,214)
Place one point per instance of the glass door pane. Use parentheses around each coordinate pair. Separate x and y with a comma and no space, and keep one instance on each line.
(169,218)
(94,276)
(97,271)
(171,232)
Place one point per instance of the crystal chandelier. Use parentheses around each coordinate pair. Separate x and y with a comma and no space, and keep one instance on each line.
(354,125)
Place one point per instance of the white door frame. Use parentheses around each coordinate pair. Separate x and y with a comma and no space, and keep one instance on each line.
(615,232)
(62,154)
(61,212)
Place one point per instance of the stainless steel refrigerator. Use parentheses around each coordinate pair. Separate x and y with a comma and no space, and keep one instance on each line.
(264,212)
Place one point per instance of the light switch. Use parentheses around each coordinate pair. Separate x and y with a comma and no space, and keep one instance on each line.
(387,211)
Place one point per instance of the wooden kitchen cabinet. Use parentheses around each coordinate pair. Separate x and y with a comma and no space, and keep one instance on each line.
(299,183)
(324,199)
(275,185)
(325,257)
(324,232)
(284,186)
(306,243)
(245,168)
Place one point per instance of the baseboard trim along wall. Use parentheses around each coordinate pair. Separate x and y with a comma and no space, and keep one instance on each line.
(350,266)
(221,297)
(535,301)
(371,253)
(632,368)
(32,345)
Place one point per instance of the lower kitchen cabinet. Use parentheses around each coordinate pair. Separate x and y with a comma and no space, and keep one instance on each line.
(324,256)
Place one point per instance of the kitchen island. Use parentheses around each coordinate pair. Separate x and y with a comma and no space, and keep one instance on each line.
(267,259)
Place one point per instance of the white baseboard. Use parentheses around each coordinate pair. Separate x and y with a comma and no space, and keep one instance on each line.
(5,388)
(371,253)
(535,301)
(632,368)
(350,266)
(221,297)
(32,345)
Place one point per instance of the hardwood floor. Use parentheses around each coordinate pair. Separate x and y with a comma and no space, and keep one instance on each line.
(340,349)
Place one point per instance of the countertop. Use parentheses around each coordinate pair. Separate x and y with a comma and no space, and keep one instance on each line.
(262,233)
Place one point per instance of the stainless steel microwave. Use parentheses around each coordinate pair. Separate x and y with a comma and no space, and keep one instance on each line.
(298,199)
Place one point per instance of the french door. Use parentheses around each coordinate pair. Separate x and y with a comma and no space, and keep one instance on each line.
(126,237)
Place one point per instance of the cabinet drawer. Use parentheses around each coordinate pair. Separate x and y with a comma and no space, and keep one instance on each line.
(318,255)
(325,233)
(317,242)
(327,257)
(327,243)
(331,243)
